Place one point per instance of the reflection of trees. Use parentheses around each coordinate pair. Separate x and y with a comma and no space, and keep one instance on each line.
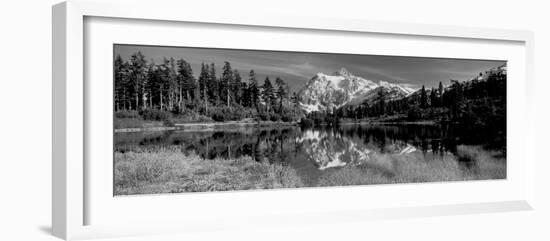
(271,145)
(285,144)
(436,139)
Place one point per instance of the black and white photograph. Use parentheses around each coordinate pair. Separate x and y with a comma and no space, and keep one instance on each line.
(190,119)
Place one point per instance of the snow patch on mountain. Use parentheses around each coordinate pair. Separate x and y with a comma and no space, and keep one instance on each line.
(334,81)
(327,92)
(311,107)
(407,90)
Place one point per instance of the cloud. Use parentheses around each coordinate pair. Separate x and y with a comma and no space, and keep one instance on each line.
(387,74)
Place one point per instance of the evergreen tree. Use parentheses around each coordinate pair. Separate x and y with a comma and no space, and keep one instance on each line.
(225,82)
(295,102)
(187,83)
(423,98)
(456,99)
(190,81)
(138,76)
(204,78)
(433,98)
(245,95)
(254,90)
(363,109)
(380,99)
(237,87)
(282,92)
(172,84)
(212,84)
(268,95)
(163,82)
(182,79)
(440,94)
(151,87)
(121,83)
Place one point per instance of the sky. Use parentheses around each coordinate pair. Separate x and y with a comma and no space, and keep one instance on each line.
(296,68)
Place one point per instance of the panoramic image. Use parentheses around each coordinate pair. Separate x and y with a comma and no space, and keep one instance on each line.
(206,120)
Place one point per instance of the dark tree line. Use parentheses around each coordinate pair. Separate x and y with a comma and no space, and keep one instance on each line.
(171,86)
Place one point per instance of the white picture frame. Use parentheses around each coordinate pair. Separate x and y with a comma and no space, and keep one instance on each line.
(71,188)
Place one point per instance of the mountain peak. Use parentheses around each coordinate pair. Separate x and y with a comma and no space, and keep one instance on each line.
(343,72)
(326,92)
(384,83)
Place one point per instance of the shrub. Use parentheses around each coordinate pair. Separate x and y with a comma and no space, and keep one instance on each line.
(126,114)
(287,117)
(168,122)
(274,117)
(121,123)
(217,113)
(234,114)
(217,116)
(224,113)
(190,117)
(155,115)
(264,116)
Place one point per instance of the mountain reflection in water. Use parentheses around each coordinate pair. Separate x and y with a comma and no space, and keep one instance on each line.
(382,149)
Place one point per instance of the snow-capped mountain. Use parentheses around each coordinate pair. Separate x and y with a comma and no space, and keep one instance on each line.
(325,92)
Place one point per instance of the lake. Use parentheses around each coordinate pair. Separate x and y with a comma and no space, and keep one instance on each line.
(384,153)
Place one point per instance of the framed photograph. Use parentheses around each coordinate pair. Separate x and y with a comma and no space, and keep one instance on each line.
(167,123)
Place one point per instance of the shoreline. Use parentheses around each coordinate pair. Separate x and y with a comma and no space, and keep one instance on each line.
(212,126)
(425,122)
(207,126)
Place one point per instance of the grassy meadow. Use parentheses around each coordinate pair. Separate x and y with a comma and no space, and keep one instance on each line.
(168,170)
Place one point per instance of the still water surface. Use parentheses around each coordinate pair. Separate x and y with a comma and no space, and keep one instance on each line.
(387,150)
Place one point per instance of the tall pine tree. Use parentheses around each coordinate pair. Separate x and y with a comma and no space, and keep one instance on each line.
(268,96)
(282,92)
(203,85)
(254,90)
(212,84)
(138,76)
(423,98)
(237,87)
(121,83)
(226,82)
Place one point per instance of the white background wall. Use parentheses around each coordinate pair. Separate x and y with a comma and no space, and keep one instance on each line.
(25,119)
